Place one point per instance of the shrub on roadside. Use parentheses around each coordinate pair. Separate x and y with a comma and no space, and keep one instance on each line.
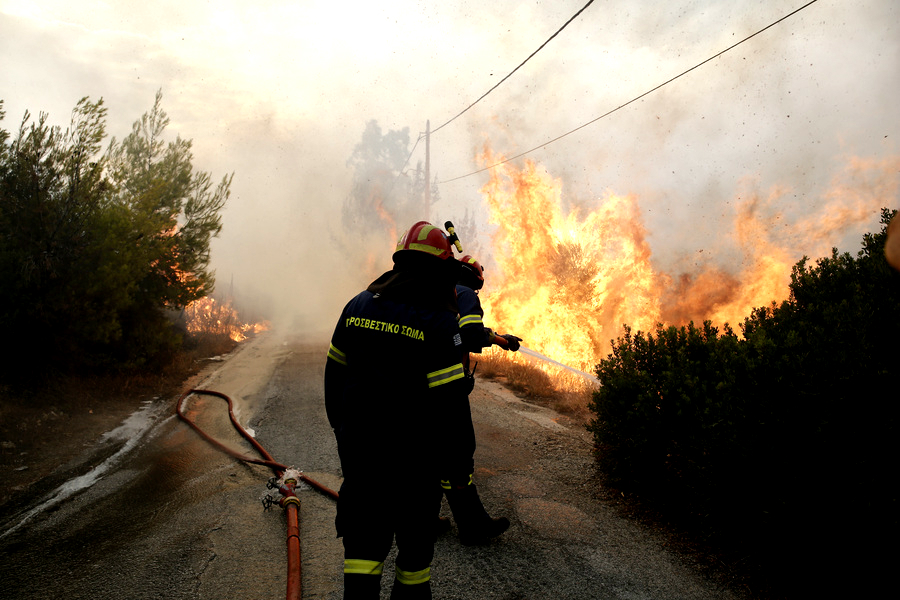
(783,442)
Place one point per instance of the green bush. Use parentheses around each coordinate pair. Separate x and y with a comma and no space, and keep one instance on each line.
(782,441)
(97,247)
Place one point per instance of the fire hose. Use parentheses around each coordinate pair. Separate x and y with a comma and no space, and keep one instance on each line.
(289,478)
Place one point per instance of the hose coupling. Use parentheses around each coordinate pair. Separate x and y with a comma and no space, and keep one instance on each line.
(287,500)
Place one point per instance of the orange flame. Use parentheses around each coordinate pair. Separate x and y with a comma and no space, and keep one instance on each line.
(714,294)
(572,279)
(208,316)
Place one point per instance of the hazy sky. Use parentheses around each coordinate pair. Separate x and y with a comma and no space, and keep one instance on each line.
(280,92)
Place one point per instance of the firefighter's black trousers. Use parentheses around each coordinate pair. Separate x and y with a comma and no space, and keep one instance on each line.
(371,511)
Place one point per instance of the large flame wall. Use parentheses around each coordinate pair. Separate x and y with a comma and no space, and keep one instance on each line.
(569,279)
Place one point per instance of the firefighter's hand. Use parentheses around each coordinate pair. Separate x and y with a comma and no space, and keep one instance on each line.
(512,342)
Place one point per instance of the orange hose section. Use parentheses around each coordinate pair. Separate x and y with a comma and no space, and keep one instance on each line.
(291,508)
(278,468)
(293,548)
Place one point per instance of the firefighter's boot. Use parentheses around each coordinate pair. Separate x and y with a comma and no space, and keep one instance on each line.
(475,525)
(362,587)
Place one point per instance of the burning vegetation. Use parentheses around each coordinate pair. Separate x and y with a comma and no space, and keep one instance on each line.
(211,317)
(572,278)
(748,437)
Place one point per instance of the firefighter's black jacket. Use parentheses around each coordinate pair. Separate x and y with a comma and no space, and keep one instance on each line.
(395,390)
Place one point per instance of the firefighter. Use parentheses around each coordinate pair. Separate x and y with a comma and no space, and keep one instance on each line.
(476,337)
(393,379)
(474,523)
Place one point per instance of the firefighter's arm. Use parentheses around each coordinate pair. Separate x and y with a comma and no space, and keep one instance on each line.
(335,383)
(473,338)
(475,335)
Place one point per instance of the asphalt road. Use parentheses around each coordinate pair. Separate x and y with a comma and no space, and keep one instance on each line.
(165,515)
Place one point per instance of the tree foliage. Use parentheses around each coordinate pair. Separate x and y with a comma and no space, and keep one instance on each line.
(175,212)
(385,199)
(96,246)
(385,194)
(782,441)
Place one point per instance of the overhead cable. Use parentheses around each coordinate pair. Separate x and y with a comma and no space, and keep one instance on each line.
(517,68)
(633,100)
(401,172)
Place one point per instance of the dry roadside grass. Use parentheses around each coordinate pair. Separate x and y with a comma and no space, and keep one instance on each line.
(564,392)
(46,422)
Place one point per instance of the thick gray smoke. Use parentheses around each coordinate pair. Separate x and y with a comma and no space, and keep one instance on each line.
(281,93)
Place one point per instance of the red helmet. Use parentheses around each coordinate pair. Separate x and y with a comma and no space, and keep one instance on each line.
(425,237)
(472,271)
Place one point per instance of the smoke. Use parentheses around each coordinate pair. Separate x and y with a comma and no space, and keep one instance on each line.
(280,93)
(282,246)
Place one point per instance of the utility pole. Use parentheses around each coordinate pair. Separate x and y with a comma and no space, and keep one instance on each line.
(427,169)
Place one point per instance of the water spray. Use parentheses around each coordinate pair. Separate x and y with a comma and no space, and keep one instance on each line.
(540,356)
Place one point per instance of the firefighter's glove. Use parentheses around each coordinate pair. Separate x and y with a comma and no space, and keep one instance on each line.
(512,342)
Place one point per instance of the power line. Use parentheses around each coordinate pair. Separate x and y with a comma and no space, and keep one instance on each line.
(416,145)
(401,172)
(633,100)
(517,68)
